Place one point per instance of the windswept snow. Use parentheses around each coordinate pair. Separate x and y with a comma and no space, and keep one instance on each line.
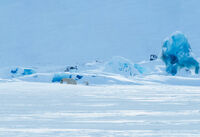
(42,109)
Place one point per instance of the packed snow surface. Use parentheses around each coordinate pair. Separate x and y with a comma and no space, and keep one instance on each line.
(55,110)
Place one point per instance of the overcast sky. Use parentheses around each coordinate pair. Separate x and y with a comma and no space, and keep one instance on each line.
(70,31)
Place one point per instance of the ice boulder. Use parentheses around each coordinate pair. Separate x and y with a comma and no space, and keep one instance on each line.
(153,57)
(28,71)
(151,67)
(71,69)
(123,66)
(14,71)
(59,76)
(19,71)
(176,54)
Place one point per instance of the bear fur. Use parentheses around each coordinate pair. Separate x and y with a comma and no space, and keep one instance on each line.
(68,81)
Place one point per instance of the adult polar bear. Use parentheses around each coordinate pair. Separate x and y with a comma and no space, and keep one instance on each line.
(68,81)
(176,54)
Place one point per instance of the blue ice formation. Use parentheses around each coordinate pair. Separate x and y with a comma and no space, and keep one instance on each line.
(123,66)
(28,71)
(59,76)
(139,68)
(79,77)
(119,65)
(14,71)
(176,54)
(22,71)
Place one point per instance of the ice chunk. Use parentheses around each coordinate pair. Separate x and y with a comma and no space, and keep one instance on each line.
(59,76)
(120,65)
(14,71)
(71,69)
(79,77)
(153,57)
(28,71)
(141,69)
(151,67)
(176,54)
(19,71)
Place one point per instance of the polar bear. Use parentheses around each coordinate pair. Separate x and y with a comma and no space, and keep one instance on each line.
(68,81)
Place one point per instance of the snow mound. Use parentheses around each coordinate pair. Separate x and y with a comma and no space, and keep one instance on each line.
(122,66)
(152,67)
(59,76)
(176,54)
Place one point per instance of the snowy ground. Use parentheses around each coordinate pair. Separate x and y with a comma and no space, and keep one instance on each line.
(30,109)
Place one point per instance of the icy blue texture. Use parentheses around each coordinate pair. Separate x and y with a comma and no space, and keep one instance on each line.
(58,77)
(176,54)
(14,71)
(28,71)
(123,66)
(120,65)
(139,68)
(22,71)
(79,77)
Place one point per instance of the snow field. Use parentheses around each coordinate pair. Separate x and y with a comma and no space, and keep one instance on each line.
(43,109)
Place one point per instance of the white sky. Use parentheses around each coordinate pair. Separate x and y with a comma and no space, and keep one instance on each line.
(70,31)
